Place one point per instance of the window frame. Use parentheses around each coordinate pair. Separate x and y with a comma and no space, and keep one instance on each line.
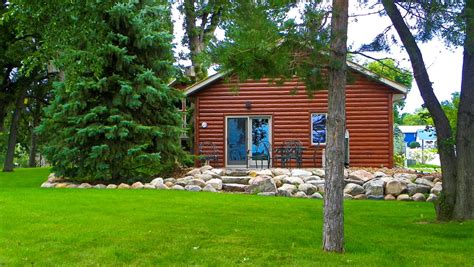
(311,127)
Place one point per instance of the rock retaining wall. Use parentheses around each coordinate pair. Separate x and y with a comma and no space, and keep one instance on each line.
(300,183)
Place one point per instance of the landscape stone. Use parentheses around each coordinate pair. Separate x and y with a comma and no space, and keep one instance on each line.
(280,177)
(405,176)
(395,187)
(100,186)
(390,197)
(429,177)
(281,171)
(308,189)
(177,187)
(374,187)
(293,180)
(184,181)
(319,172)
(218,172)
(419,197)
(432,198)
(193,172)
(287,190)
(379,174)
(236,179)
(360,196)
(71,186)
(205,168)
(311,178)
(197,182)
(237,172)
(148,186)
(300,173)
(211,173)
(123,186)
(353,189)
(352,181)
(162,186)
(347,196)
(417,188)
(436,180)
(169,184)
(371,197)
(437,188)
(169,180)
(216,183)
(156,181)
(316,182)
(85,186)
(203,177)
(233,187)
(111,186)
(48,185)
(262,185)
(321,188)
(265,172)
(193,188)
(424,181)
(361,175)
(267,194)
(300,194)
(317,196)
(137,185)
(209,188)
(404,197)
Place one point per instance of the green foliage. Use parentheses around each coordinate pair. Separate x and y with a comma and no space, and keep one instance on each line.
(399,160)
(398,143)
(423,156)
(113,117)
(414,144)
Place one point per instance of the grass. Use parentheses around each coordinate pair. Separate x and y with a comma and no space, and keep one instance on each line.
(137,227)
(428,168)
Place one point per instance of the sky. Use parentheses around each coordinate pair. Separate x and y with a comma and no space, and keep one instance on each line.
(444,64)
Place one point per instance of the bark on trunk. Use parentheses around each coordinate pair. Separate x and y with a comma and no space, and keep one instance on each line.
(445,138)
(464,206)
(33,142)
(333,227)
(10,155)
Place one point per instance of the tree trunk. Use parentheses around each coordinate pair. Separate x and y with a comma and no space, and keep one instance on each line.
(33,142)
(8,165)
(447,155)
(464,207)
(333,228)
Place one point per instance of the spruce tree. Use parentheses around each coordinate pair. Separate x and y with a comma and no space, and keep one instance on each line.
(113,116)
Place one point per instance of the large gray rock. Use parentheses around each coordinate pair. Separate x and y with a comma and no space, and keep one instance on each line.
(424,181)
(205,168)
(156,181)
(137,185)
(234,187)
(395,187)
(193,172)
(209,173)
(390,197)
(100,186)
(265,172)
(262,185)
(347,196)
(111,186)
(170,180)
(319,172)
(74,186)
(437,188)
(203,177)
(209,188)
(429,177)
(162,186)
(374,187)
(352,181)
(197,182)
(419,197)
(308,189)
(379,174)
(316,182)
(123,186)
(177,187)
(219,172)
(216,183)
(417,188)
(236,179)
(287,190)
(300,173)
(85,186)
(404,197)
(194,188)
(237,172)
(432,198)
(360,196)
(311,178)
(300,194)
(281,171)
(371,197)
(361,175)
(48,185)
(293,180)
(184,181)
(405,176)
(353,189)
(148,186)
(317,196)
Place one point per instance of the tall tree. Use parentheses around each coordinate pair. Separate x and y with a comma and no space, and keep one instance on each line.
(454,21)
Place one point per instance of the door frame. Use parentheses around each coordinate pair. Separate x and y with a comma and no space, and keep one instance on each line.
(249,135)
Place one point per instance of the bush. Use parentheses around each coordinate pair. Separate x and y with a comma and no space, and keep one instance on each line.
(399,160)
(414,144)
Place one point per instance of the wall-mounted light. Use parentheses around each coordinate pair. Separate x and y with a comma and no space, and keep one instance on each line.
(248,104)
(204,125)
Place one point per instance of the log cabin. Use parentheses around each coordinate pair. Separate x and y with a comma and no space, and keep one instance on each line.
(234,121)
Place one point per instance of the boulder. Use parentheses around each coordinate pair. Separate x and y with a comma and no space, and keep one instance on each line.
(209,188)
(252,173)
(123,186)
(287,190)
(205,168)
(177,187)
(194,188)
(353,189)
(432,198)
(233,187)
(156,181)
(203,177)
(237,172)
(371,197)
(218,172)
(193,172)
(319,172)
(197,182)
(52,178)
(352,181)
(389,197)
(148,186)
(100,186)
(169,184)
(347,196)
(280,177)
(162,186)
(300,173)
(211,173)
(281,171)
(137,185)
(48,185)
(308,189)
(111,186)
(321,188)
(395,187)
(184,181)
(293,180)
(317,196)
(236,179)
(73,186)
(61,185)
(85,186)
(361,175)
(424,181)
(265,172)
(170,180)
(267,194)
(300,194)
(405,176)
(374,187)
(278,183)
(379,174)
(311,178)
(417,188)
(419,197)
(360,196)
(316,182)
(429,177)
(262,185)
(437,188)
(216,183)
(404,197)
(436,180)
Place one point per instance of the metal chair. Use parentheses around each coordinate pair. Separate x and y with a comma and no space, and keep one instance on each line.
(264,152)
(292,149)
(207,152)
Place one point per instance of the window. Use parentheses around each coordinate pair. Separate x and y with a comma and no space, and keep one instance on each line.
(318,128)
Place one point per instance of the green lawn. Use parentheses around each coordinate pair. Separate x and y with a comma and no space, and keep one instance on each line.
(137,227)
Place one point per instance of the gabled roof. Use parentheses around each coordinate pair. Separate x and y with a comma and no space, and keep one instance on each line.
(401,89)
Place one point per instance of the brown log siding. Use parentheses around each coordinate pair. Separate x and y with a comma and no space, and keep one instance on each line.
(368,113)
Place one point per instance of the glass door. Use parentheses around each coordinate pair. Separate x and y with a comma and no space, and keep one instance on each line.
(260,146)
(237,141)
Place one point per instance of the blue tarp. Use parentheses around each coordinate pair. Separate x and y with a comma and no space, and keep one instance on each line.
(409,137)
(427,135)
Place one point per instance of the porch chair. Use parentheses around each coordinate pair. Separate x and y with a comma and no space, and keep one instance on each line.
(207,152)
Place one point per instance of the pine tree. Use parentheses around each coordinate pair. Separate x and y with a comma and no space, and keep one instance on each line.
(116,119)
